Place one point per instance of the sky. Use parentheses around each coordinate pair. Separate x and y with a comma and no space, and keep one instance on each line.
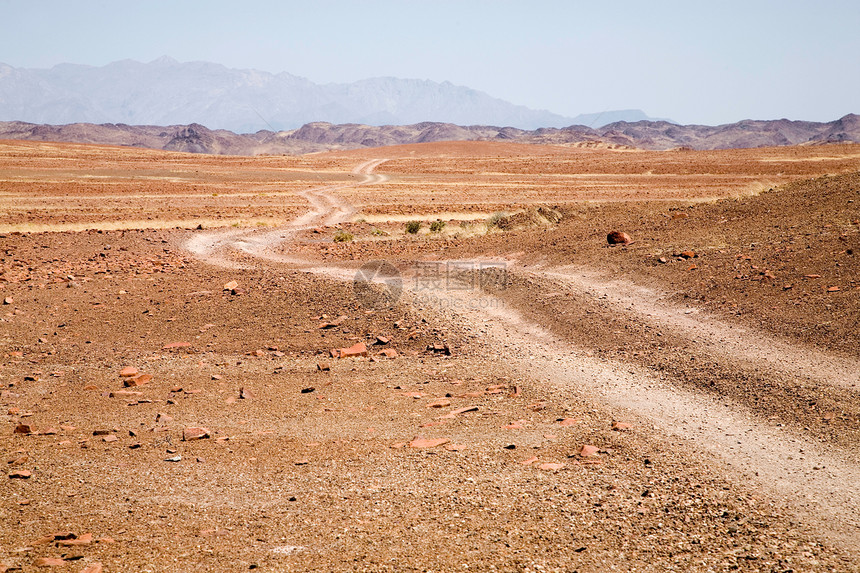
(693,62)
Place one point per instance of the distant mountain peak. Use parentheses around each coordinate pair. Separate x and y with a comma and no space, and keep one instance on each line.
(168,92)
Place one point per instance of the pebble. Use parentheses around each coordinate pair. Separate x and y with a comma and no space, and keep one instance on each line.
(195,433)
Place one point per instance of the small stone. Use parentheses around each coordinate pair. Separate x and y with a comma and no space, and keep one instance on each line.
(308,390)
(195,433)
(177,458)
(323,366)
(23,429)
(111,438)
(688,254)
(550,466)
(382,340)
(354,351)
(569,422)
(138,380)
(128,372)
(20,474)
(442,403)
(455,447)
(48,562)
(8,300)
(85,539)
(618,238)
(440,347)
(173,345)
(388,353)
(231,285)
(586,451)
(426,443)
(620,426)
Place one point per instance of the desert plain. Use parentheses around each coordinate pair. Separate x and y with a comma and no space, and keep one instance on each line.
(219,363)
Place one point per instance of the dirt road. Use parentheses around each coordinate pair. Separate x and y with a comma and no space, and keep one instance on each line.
(820,485)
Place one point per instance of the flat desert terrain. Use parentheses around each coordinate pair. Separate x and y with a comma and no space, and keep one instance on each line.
(220,363)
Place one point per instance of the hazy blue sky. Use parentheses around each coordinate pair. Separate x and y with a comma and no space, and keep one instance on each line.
(694,62)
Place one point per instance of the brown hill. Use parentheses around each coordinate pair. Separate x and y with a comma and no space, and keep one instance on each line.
(321,136)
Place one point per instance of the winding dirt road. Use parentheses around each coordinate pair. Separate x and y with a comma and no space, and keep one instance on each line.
(820,485)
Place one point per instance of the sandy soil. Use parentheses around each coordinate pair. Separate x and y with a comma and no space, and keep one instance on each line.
(554,404)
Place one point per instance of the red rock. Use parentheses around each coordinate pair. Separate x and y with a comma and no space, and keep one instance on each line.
(529,461)
(459,411)
(618,238)
(323,366)
(833,289)
(382,340)
(110,438)
(245,394)
(427,442)
(176,345)
(518,425)
(8,300)
(551,466)
(441,403)
(415,395)
(354,351)
(456,447)
(125,394)
(812,276)
(440,347)
(569,422)
(388,353)
(196,433)
(516,392)
(688,254)
(84,539)
(138,380)
(231,285)
(48,562)
(162,417)
(128,372)
(677,216)
(23,429)
(20,474)
(91,387)
(586,451)
(620,426)
(93,567)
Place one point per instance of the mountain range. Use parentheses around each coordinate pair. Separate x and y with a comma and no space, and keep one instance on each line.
(168,92)
(320,136)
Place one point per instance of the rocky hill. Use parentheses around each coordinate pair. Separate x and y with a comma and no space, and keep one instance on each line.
(320,136)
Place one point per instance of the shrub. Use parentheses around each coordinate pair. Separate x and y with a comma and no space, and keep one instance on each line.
(343,236)
(494,219)
(378,232)
(412,227)
(437,226)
